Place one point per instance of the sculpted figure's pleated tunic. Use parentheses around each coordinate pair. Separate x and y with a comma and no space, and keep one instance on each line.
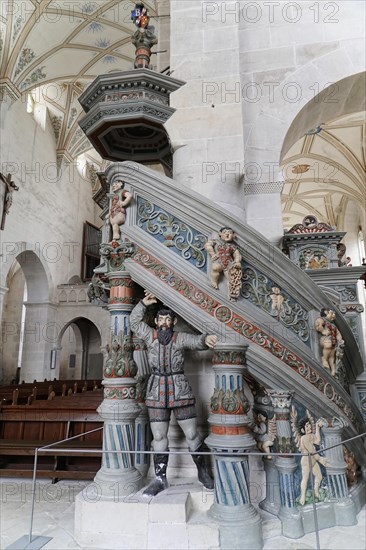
(167,386)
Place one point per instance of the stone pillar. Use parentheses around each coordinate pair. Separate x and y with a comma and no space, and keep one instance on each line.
(289,514)
(230,437)
(206,131)
(272,502)
(257,198)
(142,423)
(3,291)
(118,476)
(344,507)
(38,336)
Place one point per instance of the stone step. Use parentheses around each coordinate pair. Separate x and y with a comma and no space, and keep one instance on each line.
(175,519)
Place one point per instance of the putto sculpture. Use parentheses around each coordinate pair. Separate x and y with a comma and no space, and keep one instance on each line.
(168,388)
(117,214)
(226,259)
(331,340)
(307,435)
(277,300)
(264,432)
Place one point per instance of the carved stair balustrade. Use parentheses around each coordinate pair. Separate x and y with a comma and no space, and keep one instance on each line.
(169,226)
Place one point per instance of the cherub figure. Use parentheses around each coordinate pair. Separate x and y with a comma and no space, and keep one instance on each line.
(277,300)
(308,257)
(263,434)
(351,471)
(331,339)
(117,214)
(307,435)
(226,259)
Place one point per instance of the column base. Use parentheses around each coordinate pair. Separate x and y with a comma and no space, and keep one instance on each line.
(114,485)
(292,524)
(345,512)
(240,526)
(269,507)
(272,502)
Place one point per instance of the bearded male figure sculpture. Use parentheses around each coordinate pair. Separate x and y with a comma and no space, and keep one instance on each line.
(168,389)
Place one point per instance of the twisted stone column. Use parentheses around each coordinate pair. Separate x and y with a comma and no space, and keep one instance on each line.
(118,476)
(344,507)
(230,436)
(289,514)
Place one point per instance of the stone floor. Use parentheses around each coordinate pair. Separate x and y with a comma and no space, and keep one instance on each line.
(54,517)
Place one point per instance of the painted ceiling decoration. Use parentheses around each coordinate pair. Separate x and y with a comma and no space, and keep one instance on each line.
(53,49)
(324,170)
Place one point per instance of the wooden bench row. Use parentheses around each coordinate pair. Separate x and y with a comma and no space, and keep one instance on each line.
(27,393)
(23,428)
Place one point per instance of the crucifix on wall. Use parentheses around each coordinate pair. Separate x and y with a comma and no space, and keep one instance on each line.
(7,188)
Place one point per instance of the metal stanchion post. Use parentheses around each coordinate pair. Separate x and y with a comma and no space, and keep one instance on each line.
(316,525)
(26,542)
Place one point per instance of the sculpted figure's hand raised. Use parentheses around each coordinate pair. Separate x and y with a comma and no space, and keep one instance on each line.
(149,299)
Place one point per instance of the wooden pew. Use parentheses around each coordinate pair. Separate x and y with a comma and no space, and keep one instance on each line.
(23,428)
(20,394)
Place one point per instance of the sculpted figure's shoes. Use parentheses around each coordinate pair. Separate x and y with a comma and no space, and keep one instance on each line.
(203,474)
(160,482)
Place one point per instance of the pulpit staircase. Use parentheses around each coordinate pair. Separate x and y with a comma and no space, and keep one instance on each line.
(168,225)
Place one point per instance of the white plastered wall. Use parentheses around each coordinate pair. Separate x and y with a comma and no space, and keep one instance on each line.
(249,68)
(44,226)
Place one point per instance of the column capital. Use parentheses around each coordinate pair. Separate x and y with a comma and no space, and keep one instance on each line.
(8,91)
(281,400)
(115,255)
(336,424)
(229,354)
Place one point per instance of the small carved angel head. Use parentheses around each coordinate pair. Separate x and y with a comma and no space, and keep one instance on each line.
(117,185)
(328,313)
(305,426)
(227,234)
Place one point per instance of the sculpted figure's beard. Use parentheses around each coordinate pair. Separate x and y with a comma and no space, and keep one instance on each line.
(165,335)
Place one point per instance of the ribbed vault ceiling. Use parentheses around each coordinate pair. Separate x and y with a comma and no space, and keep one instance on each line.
(324,170)
(65,40)
(55,48)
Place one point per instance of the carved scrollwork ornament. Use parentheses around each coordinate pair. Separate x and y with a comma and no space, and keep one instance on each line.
(98,291)
(345,308)
(115,254)
(172,232)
